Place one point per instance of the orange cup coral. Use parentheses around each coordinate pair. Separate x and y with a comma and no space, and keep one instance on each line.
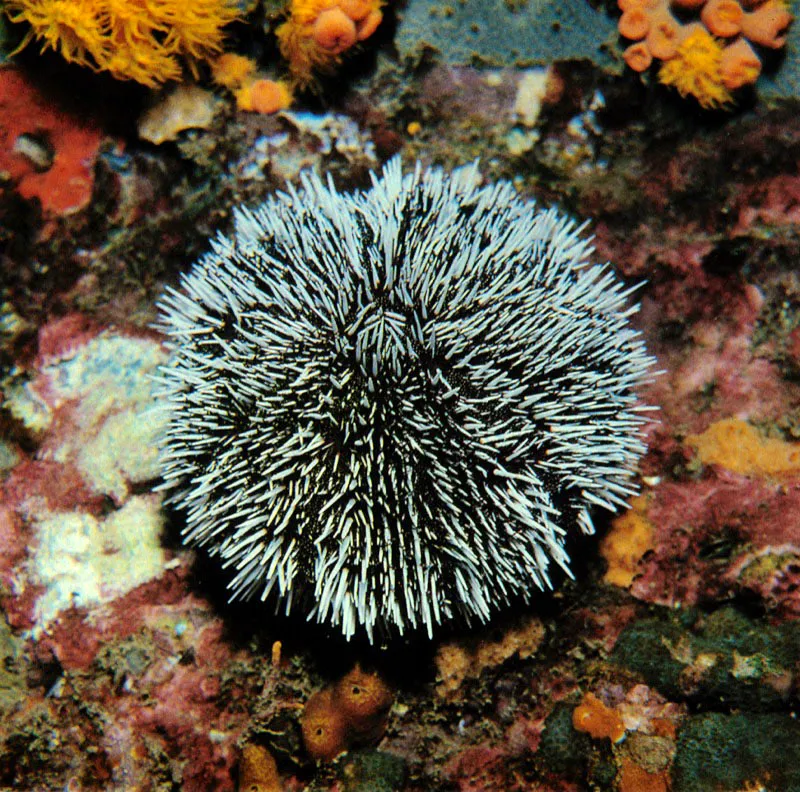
(253,91)
(638,56)
(739,65)
(356,9)
(722,17)
(367,26)
(334,31)
(634,23)
(232,71)
(767,25)
(263,95)
(694,62)
(318,32)
(644,5)
(664,35)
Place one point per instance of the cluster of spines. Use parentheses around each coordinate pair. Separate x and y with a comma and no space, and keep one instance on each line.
(393,404)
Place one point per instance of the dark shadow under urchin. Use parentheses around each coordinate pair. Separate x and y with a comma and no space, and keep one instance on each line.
(388,409)
(406,662)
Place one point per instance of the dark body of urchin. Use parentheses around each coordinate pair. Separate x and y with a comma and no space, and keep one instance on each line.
(388,408)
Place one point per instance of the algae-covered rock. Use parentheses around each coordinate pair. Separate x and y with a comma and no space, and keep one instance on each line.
(12,679)
(563,750)
(505,32)
(723,659)
(373,771)
(733,752)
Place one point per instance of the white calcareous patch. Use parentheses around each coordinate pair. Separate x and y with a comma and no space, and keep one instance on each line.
(103,392)
(83,561)
(388,408)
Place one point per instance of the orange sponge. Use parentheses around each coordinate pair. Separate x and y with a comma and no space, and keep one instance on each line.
(631,536)
(598,720)
(364,699)
(353,711)
(325,731)
(736,445)
(258,771)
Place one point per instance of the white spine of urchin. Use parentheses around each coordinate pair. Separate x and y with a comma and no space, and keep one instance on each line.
(389,407)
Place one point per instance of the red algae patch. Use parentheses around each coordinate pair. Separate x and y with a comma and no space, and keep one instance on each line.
(64,183)
(710,532)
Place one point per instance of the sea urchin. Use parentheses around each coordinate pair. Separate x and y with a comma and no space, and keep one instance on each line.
(389,407)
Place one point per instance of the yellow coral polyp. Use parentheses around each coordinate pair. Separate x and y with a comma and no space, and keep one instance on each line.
(695,70)
(142,40)
(72,27)
(232,71)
